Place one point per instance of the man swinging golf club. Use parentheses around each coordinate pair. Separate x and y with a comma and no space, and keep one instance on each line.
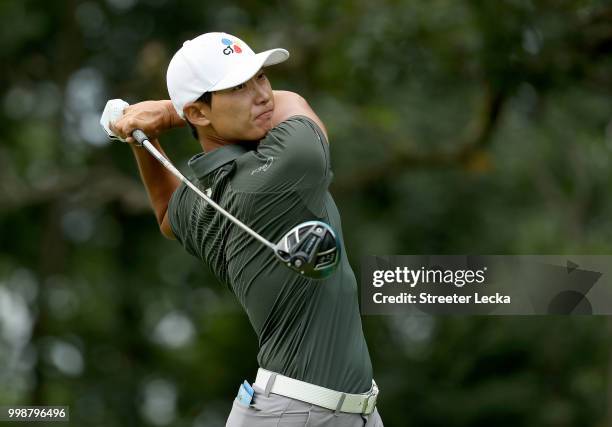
(265,169)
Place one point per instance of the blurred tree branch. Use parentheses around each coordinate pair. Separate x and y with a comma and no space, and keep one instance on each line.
(477,136)
(591,40)
(97,186)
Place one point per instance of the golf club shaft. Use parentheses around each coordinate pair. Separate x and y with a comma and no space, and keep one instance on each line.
(144,140)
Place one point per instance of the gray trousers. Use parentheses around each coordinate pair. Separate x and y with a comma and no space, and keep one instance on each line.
(280,411)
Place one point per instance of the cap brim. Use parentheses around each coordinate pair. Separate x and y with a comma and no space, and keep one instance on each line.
(250,66)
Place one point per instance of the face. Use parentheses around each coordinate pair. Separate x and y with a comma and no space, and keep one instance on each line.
(242,113)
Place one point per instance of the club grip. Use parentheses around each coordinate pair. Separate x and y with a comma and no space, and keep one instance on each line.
(139,136)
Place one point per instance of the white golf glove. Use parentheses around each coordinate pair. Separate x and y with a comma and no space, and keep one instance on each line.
(113,111)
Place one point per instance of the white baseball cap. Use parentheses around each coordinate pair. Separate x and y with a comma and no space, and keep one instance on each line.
(214,61)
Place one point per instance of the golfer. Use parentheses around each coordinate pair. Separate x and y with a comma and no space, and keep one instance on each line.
(265,158)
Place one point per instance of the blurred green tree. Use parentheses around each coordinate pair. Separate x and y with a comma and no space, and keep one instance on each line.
(456,127)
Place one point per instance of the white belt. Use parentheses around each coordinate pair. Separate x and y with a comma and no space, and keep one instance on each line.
(337,401)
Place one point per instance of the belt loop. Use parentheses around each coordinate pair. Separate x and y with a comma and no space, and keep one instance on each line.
(270,384)
(339,406)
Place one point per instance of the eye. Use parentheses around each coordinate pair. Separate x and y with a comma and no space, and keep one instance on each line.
(261,75)
(240,86)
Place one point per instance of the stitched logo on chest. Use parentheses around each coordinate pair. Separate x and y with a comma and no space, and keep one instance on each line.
(263,167)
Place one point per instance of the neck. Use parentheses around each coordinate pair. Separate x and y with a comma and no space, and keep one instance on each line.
(210,143)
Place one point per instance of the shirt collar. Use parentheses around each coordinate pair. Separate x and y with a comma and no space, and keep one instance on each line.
(203,164)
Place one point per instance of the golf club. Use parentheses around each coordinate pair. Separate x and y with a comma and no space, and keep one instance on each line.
(310,248)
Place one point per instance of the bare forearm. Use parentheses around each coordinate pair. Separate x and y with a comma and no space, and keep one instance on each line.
(158,181)
(153,118)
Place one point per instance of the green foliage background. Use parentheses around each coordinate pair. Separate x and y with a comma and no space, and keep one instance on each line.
(455,126)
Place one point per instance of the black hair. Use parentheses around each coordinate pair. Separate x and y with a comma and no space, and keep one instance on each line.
(206,98)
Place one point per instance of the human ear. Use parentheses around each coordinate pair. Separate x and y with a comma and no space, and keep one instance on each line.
(196,114)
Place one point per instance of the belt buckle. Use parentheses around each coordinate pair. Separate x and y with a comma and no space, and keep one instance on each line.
(372,395)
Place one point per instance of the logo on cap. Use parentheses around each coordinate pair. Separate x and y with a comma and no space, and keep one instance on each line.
(231,47)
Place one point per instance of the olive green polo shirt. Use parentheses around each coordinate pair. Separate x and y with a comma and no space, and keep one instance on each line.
(308,329)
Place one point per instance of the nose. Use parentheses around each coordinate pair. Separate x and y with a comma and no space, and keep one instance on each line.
(262,92)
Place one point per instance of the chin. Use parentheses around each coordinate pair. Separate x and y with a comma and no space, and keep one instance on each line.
(263,131)
(263,135)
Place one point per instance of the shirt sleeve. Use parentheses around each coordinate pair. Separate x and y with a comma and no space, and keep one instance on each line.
(294,153)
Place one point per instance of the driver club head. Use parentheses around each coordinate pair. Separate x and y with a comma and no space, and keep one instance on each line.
(310,248)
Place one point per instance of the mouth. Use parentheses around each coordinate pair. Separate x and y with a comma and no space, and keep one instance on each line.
(266,115)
